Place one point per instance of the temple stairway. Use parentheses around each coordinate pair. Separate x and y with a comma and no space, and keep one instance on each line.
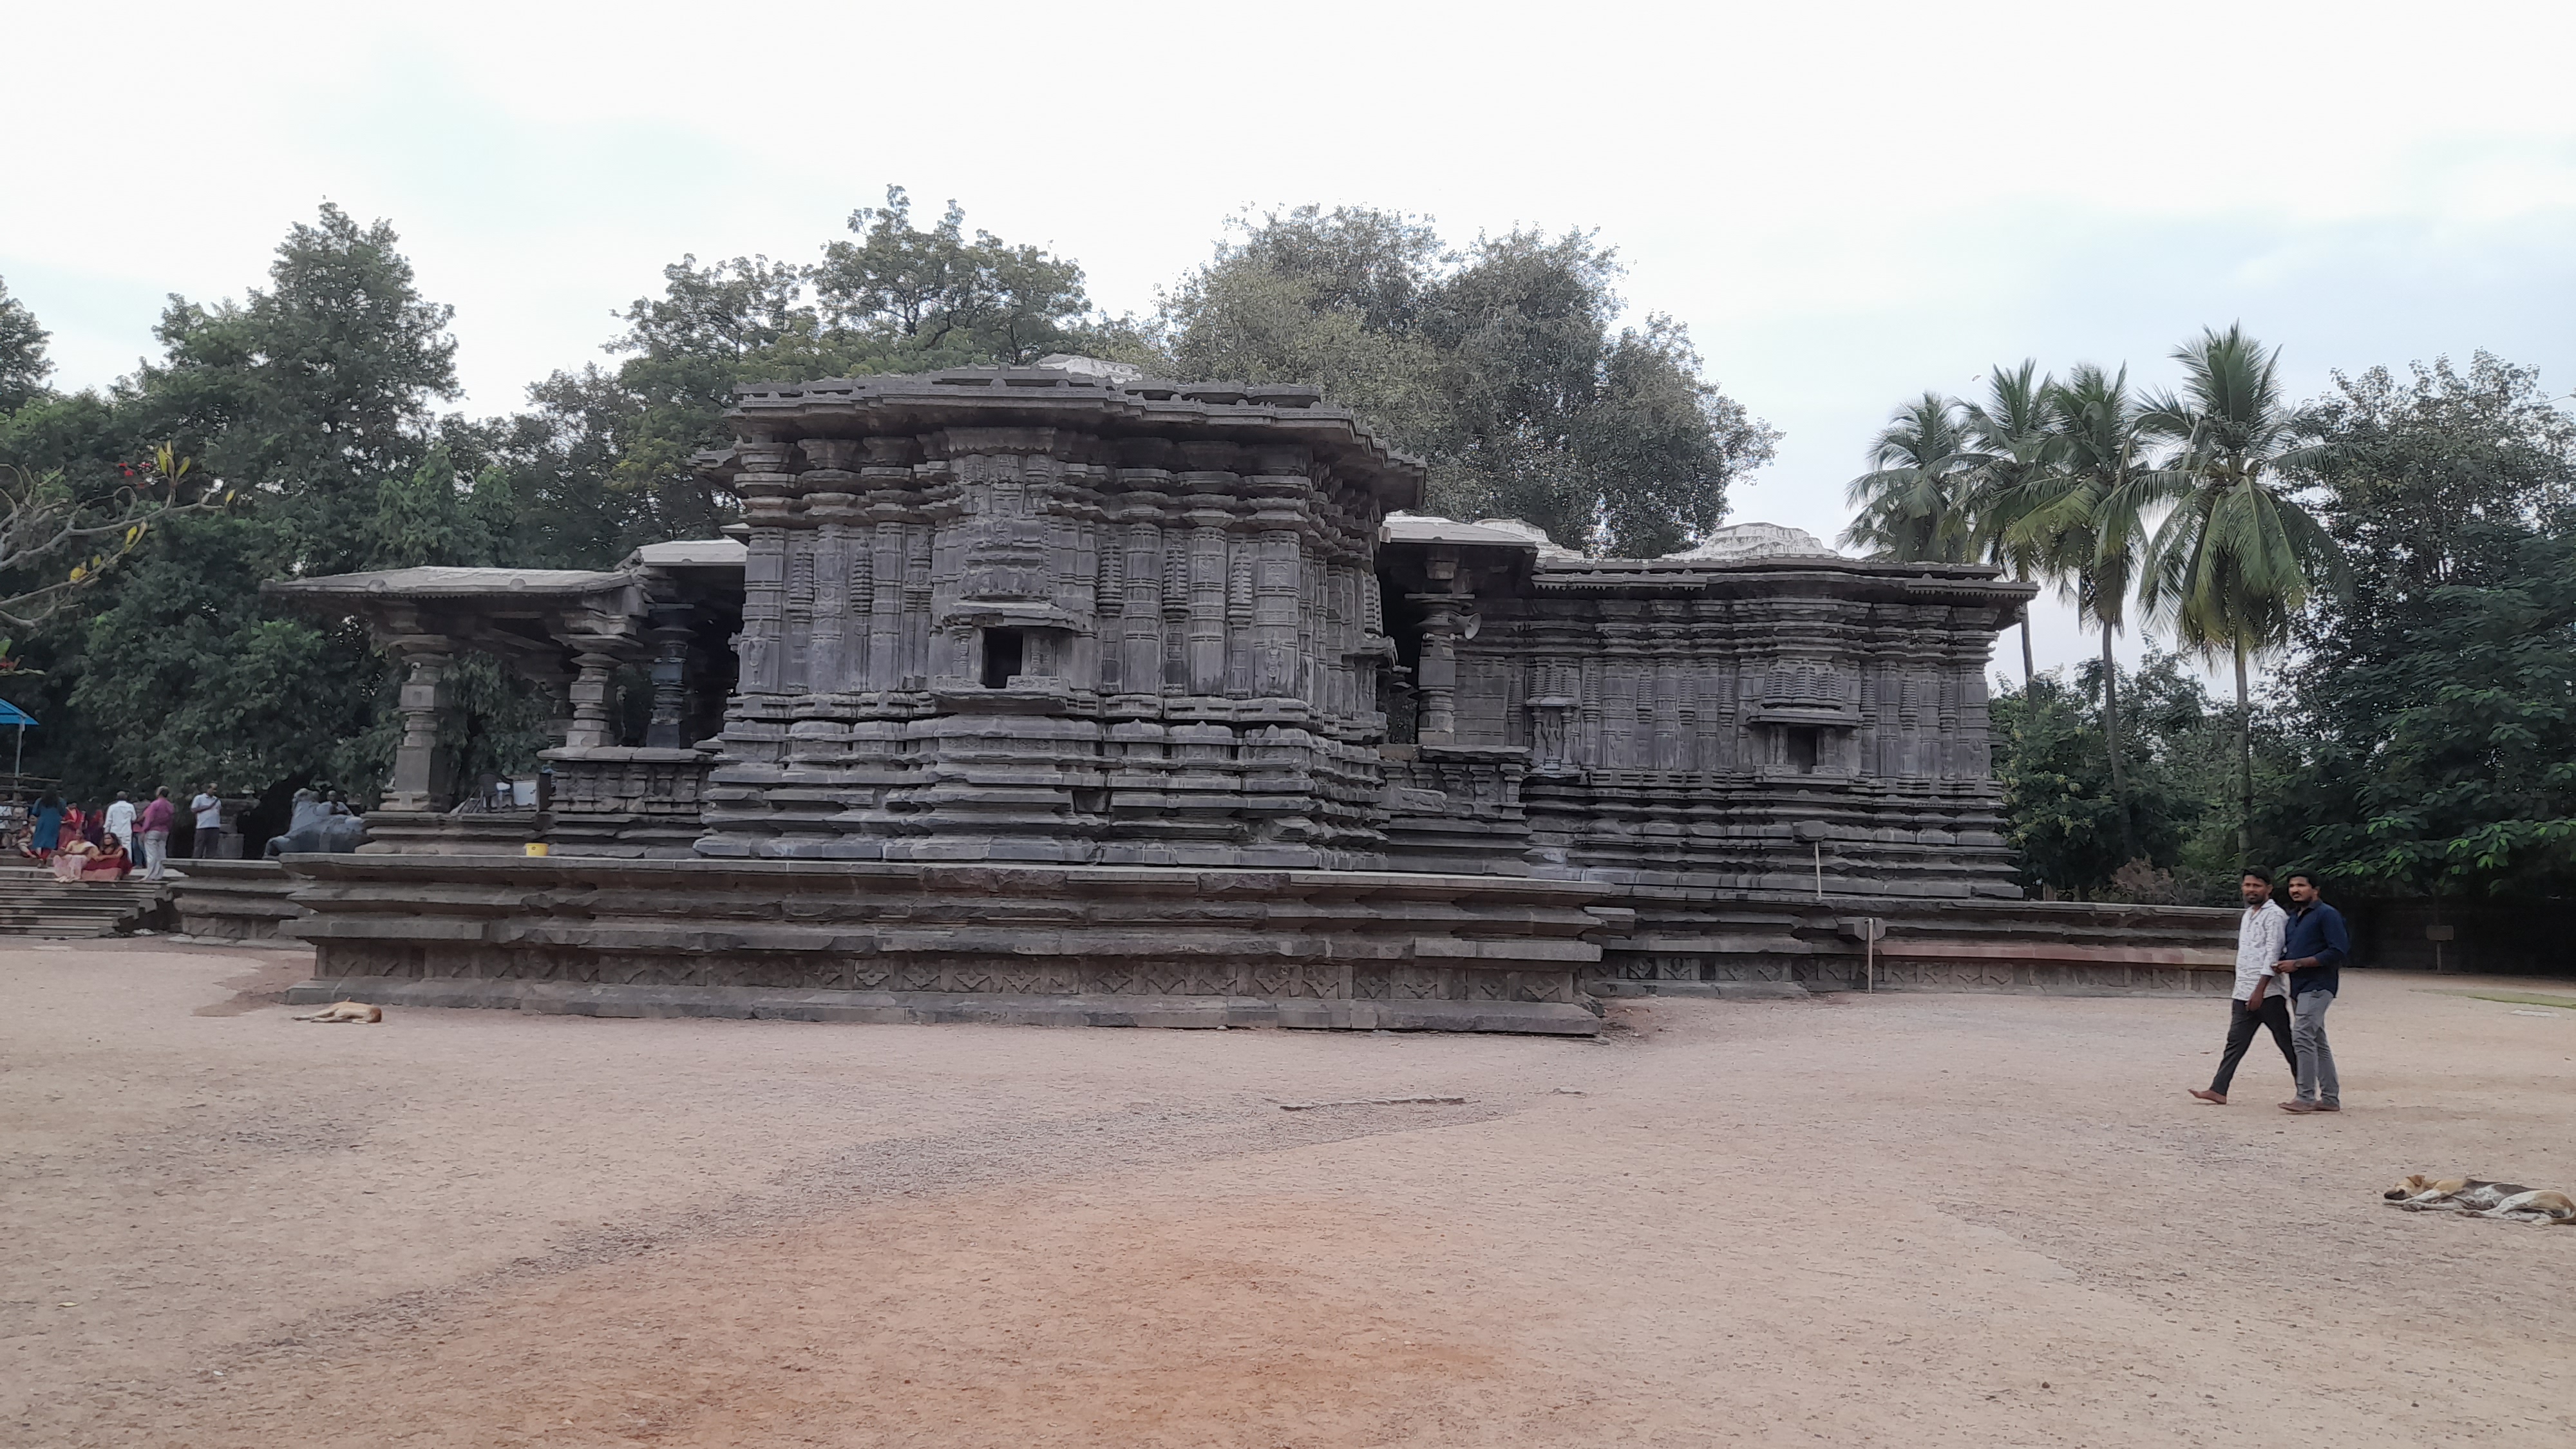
(33,903)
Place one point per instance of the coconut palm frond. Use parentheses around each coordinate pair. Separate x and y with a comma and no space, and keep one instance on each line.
(1912,504)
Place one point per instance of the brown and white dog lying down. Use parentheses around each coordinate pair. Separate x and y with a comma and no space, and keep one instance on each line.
(2418,1193)
(345,1011)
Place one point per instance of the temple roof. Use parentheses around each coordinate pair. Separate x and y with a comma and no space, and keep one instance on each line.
(1251,414)
(1429,528)
(690,553)
(439,582)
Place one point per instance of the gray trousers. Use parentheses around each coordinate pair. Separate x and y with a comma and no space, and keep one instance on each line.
(2317,1082)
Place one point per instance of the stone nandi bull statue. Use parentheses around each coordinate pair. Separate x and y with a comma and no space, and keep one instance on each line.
(318,827)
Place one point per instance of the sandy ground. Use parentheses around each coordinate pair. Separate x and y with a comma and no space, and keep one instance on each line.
(1924,1220)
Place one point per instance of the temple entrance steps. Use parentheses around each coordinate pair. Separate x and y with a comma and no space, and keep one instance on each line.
(33,903)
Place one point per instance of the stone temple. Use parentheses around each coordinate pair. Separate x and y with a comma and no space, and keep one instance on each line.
(1040,695)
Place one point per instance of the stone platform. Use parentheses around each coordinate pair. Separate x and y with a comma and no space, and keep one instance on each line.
(878,941)
(1688,939)
(232,900)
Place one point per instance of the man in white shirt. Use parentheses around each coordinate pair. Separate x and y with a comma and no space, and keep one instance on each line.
(2262,990)
(120,823)
(210,821)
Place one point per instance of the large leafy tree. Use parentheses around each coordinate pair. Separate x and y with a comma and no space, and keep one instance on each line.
(601,460)
(2434,689)
(1917,503)
(309,397)
(1501,364)
(2079,836)
(2232,562)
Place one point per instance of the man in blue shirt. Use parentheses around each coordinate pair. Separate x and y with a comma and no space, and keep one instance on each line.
(2312,951)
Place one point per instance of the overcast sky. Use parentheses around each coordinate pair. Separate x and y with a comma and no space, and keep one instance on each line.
(1846,203)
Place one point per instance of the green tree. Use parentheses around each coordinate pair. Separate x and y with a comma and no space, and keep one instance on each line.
(1500,365)
(2083,518)
(309,396)
(23,364)
(2433,691)
(2232,562)
(604,459)
(2015,428)
(2075,836)
(1916,504)
(932,294)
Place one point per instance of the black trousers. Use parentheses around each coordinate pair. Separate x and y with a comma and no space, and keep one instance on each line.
(2241,1026)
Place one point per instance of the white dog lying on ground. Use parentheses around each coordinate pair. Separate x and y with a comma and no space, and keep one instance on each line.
(2418,1193)
(358,1011)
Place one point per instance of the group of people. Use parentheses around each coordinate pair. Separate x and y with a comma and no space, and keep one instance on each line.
(2289,964)
(104,844)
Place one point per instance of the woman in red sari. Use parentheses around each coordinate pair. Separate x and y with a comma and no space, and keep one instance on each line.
(111,862)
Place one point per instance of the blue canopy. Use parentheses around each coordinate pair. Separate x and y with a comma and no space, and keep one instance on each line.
(11,714)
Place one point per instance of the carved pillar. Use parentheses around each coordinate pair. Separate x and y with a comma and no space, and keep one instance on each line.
(1239,549)
(1274,614)
(590,727)
(1442,621)
(422,771)
(765,486)
(669,729)
(555,685)
(1207,580)
(885,606)
(1140,643)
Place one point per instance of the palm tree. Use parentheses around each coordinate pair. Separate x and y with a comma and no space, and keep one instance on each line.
(2232,563)
(2015,429)
(2083,517)
(1914,503)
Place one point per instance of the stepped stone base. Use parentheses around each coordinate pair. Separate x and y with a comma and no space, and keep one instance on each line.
(910,941)
(927,1007)
(33,903)
(1689,939)
(233,900)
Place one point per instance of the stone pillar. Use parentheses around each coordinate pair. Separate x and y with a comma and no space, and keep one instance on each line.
(1444,618)
(590,727)
(1436,681)
(1140,616)
(765,487)
(422,778)
(1274,614)
(669,729)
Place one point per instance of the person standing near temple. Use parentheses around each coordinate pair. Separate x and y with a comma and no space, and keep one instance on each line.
(158,816)
(2262,1000)
(209,811)
(2312,952)
(47,837)
(120,822)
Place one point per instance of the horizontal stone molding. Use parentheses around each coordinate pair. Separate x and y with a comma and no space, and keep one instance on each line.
(921,1008)
(1109,932)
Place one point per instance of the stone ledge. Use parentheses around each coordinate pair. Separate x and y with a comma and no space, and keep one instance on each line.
(916,1008)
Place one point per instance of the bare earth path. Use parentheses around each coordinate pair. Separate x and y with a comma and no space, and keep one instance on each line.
(1924,1220)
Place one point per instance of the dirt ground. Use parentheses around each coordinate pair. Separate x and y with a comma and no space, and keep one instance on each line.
(1900,1220)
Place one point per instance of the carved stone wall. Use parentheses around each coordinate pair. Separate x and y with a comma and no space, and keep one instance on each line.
(1029,615)
(1743,725)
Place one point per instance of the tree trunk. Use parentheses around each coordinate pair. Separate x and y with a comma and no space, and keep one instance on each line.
(2111,736)
(2025,652)
(2244,762)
